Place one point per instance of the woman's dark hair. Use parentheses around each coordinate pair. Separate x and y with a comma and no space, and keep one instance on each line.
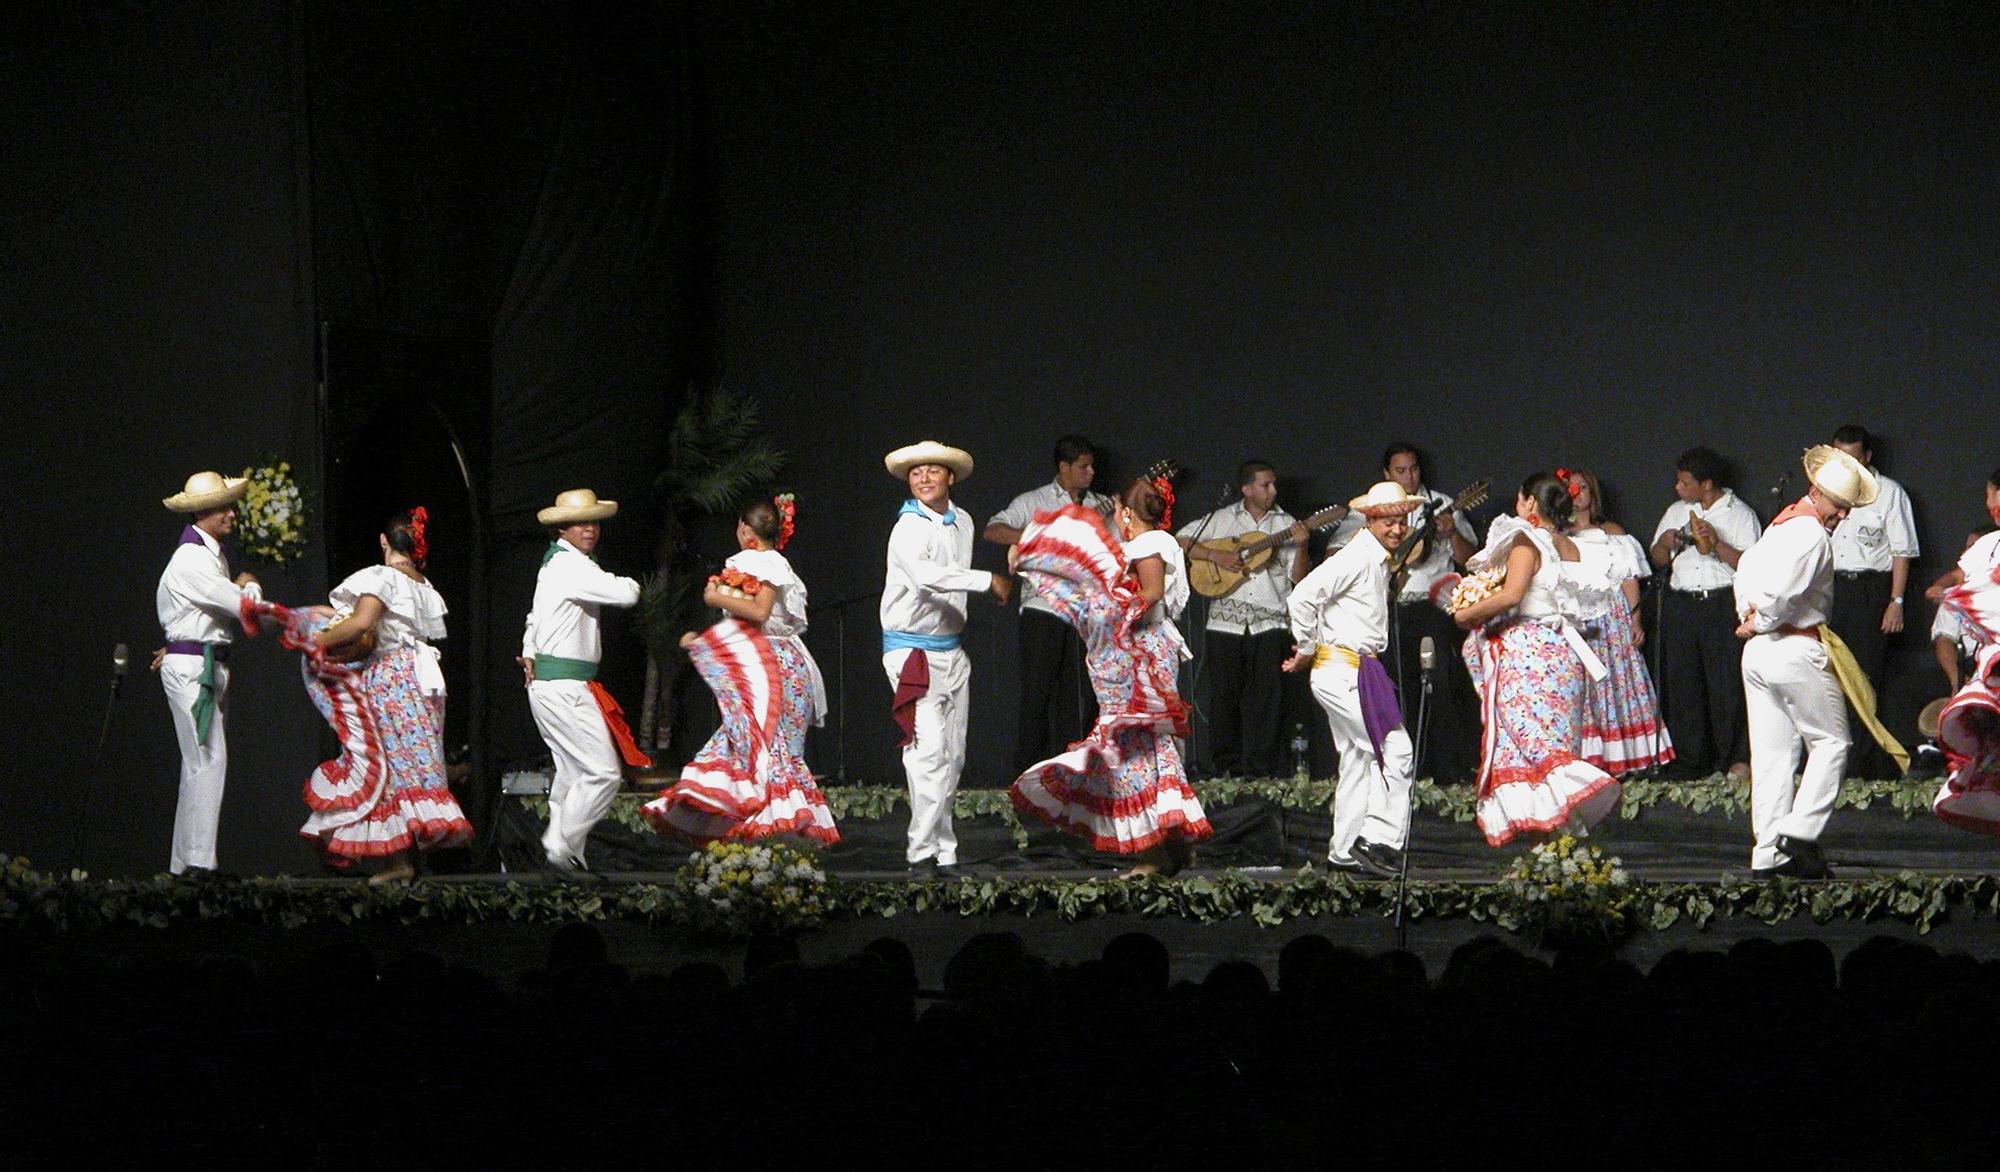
(400,531)
(1994,479)
(762,517)
(1143,498)
(1551,497)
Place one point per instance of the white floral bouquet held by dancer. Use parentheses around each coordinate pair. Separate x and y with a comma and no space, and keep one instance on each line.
(271,518)
(1472,588)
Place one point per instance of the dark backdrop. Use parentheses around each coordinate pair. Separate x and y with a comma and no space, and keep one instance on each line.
(1294,231)
(1520,236)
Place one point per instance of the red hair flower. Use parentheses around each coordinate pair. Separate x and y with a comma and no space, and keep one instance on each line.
(420,523)
(1572,482)
(788,511)
(1166,490)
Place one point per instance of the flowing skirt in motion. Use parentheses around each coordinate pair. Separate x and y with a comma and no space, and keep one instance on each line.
(1531,777)
(1122,788)
(750,780)
(1622,729)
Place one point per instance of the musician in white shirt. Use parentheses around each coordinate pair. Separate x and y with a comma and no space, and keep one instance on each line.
(560,651)
(1872,552)
(199,608)
(1246,638)
(928,574)
(1782,593)
(1057,706)
(1703,534)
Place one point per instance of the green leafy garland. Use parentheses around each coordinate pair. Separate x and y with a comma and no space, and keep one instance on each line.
(32,900)
(1716,794)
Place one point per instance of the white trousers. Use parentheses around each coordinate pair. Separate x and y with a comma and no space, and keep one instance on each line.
(935,757)
(198,813)
(1370,801)
(588,768)
(1791,697)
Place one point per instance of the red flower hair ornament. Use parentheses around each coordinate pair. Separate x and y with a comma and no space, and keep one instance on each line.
(788,511)
(1165,488)
(420,524)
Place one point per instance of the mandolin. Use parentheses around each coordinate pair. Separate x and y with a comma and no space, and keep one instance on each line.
(1256,549)
(1417,544)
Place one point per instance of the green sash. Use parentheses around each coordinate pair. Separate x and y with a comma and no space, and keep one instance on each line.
(555,667)
(204,703)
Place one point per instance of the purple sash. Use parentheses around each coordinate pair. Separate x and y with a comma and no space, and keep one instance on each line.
(1380,713)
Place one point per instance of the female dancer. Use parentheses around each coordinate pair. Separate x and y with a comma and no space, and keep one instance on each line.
(372,672)
(750,780)
(1123,787)
(1622,730)
(1530,664)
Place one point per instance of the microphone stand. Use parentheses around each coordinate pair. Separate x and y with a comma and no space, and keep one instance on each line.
(81,838)
(1417,763)
(1193,694)
(839,609)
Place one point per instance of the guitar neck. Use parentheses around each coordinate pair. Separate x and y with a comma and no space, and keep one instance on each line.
(1325,516)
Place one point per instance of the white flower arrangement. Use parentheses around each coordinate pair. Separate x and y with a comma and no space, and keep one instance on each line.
(1569,891)
(755,887)
(1476,588)
(270,519)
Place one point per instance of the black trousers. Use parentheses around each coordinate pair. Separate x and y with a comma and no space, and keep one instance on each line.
(1057,704)
(1701,676)
(1449,753)
(1859,598)
(1245,699)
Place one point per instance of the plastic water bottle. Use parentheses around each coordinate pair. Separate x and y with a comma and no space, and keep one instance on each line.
(1300,770)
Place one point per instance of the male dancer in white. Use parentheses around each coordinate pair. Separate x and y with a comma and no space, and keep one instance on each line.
(1784,593)
(560,651)
(199,608)
(923,612)
(1340,618)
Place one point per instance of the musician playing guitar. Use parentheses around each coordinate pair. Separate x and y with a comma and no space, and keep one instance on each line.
(1247,634)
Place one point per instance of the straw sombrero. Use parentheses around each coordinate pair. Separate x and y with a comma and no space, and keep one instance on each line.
(207,490)
(1385,499)
(1927,720)
(1844,479)
(900,461)
(576,506)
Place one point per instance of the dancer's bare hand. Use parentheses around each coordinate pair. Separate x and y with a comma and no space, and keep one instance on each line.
(246,578)
(1003,589)
(689,637)
(159,657)
(527,668)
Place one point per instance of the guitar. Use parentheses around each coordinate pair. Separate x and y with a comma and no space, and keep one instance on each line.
(1256,549)
(1417,545)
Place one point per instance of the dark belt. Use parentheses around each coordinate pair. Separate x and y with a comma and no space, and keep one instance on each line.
(1703,595)
(189,647)
(1852,575)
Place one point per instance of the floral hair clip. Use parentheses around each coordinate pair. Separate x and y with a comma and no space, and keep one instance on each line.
(788,511)
(1572,482)
(1166,490)
(420,523)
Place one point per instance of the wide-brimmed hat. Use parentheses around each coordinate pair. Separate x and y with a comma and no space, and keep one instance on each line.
(1385,499)
(1927,720)
(207,490)
(900,461)
(1844,479)
(575,507)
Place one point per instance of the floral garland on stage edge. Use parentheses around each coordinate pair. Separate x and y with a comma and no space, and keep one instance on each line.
(33,901)
(271,517)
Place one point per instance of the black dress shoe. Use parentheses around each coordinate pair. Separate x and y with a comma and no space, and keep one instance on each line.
(1378,858)
(953,871)
(1346,867)
(1809,860)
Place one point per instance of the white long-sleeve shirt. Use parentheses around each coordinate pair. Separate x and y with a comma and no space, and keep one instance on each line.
(568,594)
(1344,601)
(196,601)
(1020,512)
(929,572)
(1735,525)
(1787,575)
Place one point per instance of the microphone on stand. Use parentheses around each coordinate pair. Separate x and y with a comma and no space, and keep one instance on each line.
(1778,489)
(121,658)
(1427,658)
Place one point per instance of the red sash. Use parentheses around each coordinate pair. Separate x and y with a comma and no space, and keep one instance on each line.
(913,683)
(621,733)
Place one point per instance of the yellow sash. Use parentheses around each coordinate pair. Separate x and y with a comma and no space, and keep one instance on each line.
(1860,693)
(1327,652)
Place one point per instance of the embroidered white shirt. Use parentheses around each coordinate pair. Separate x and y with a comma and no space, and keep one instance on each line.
(1877,533)
(1258,605)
